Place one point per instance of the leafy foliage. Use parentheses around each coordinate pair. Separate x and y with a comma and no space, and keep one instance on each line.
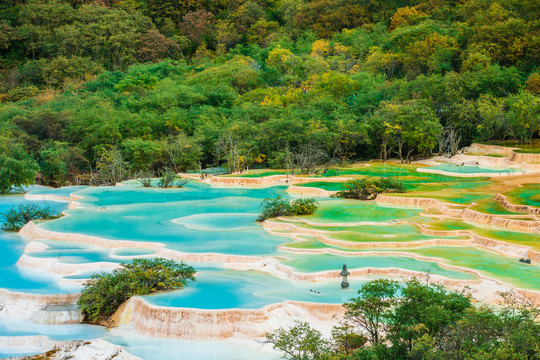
(18,216)
(278,206)
(170,179)
(105,292)
(17,168)
(292,84)
(299,342)
(417,320)
(368,188)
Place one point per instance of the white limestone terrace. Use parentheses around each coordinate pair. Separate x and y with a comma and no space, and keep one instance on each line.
(218,326)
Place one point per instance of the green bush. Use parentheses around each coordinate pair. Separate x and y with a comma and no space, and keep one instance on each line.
(304,206)
(417,320)
(105,292)
(170,179)
(278,206)
(18,216)
(368,188)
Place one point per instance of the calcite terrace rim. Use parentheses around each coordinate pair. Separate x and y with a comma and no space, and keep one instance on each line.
(232,261)
(250,262)
(497,246)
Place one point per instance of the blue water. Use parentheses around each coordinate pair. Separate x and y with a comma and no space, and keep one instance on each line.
(151,348)
(195,219)
(75,253)
(227,289)
(128,194)
(63,191)
(8,201)
(11,353)
(12,247)
(20,327)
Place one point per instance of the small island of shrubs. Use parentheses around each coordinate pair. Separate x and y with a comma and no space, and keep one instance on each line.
(369,187)
(103,294)
(18,216)
(278,206)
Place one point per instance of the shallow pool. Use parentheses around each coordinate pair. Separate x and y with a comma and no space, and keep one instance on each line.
(227,289)
(471,169)
(12,246)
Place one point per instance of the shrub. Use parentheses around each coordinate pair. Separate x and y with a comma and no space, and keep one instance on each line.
(278,206)
(105,292)
(144,178)
(299,342)
(368,188)
(18,216)
(170,179)
(304,206)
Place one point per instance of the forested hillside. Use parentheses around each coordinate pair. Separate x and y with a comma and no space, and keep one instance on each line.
(143,85)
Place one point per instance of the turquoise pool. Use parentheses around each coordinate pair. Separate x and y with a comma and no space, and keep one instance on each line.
(468,169)
(12,247)
(227,289)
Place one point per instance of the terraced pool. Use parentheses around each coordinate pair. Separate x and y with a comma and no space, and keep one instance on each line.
(200,219)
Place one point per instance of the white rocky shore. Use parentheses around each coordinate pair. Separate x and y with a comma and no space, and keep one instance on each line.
(45,348)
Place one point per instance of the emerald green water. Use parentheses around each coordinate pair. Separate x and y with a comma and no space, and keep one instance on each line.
(325,262)
(466,169)
(488,263)
(343,210)
(491,207)
(524,148)
(418,184)
(512,237)
(260,173)
(372,233)
(330,186)
(526,195)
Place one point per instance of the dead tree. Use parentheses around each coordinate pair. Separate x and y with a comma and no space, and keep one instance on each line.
(449,142)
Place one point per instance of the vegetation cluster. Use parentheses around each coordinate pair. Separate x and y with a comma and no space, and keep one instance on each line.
(168,179)
(369,187)
(105,292)
(103,89)
(278,206)
(18,216)
(416,320)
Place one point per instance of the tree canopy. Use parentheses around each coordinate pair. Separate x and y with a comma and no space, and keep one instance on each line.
(291,84)
(417,320)
(103,294)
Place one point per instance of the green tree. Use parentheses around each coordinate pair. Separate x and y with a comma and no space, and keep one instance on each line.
(368,188)
(299,342)
(141,154)
(17,167)
(371,311)
(424,309)
(18,216)
(182,153)
(53,163)
(278,206)
(524,114)
(105,292)
(411,126)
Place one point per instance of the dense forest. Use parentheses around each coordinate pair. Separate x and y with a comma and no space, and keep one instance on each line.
(101,90)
